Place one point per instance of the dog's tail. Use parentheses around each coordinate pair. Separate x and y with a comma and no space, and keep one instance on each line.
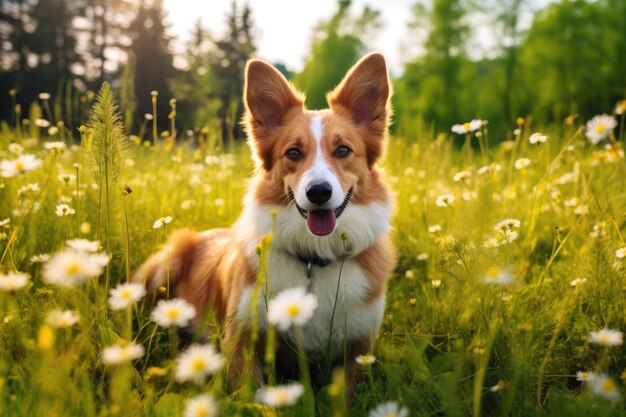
(171,264)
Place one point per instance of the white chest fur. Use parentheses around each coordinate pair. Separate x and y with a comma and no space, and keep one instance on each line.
(341,292)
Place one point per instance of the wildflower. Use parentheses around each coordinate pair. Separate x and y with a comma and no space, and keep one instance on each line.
(45,338)
(569,120)
(44,96)
(620,107)
(366,359)
(493,167)
(599,230)
(436,283)
(13,281)
(21,165)
(118,354)
(467,127)
(599,128)
(409,273)
(64,210)
(156,371)
(175,312)
(434,228)
(537,138)
(85,228)
(33,188)
(15,148)
(464,175)
(604,386)
(577,281)
(154,93)
(581,209)
(42,123)
(187,204)
(292,306)
(53,130)
(422,257)
(148,116)
(520,121)
(507,225)
(39,258)
(58,146)
(389,409)
(606,337)
(585,376)
(162,222)
(499,386)
(413,301)
(445,200)
(123,295)
(522,163)
(201,406)
(61,319)
(621,252)
(281,395)
(495,275)
(70,267)
(492,242)
(509,145)
(5,222)
(83,245)
(198,362)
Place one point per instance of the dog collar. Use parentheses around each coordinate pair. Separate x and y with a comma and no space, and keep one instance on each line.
(311,261)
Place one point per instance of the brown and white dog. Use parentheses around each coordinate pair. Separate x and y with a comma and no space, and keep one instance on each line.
(316,182)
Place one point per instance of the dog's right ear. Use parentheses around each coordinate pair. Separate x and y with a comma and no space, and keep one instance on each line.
(268,98)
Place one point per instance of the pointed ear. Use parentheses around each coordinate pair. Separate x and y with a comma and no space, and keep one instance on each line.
(268,96)
(364,91)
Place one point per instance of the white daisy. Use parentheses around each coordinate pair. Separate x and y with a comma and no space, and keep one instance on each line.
(467,127)
(389,409)
(64,210)
(522,163)
(537,138)
(434,228)
(585,376)
(197,363)
(606,337)
(42,123)
(293,306)
(604,386)
(201,406)
(507,225)
(69,267)
(162,222)
(61,319)
(577,281)
(13,281)
(175,312)
(21,165)
(5,222)
(620,107)
(445,200)
(599,128)
(366,359)
(15,148)
(83,245)
(621,252)
(118,354)
(42,257)
(123,295)
(44,96)
(501,276)
(281,395)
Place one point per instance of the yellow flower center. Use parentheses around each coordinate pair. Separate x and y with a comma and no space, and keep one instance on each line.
(202,410)
(72,268)
(584,375)
(173,313)
(198,364)
(603,339)
(281,397)
(390,415)
(492,272)
(601,128)
(19,165)
(125,294)
(293,310)
(467,125)
(608,385)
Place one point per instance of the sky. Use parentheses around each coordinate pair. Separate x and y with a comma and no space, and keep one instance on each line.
(284,27)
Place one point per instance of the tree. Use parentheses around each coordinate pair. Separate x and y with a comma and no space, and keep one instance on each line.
(153,63)
(337,45)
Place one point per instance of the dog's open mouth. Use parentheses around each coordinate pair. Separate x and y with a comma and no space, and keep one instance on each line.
(322,222)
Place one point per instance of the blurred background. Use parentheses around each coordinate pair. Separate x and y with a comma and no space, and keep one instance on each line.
(450,60)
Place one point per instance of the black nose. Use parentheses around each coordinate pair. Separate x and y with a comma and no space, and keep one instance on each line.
(319,193)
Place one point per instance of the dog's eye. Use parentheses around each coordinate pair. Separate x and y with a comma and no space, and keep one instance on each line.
(293,154)
(342,151)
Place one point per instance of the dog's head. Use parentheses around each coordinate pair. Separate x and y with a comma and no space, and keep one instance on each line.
(322,161)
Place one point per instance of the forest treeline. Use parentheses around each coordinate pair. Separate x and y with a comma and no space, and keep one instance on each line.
(569,60)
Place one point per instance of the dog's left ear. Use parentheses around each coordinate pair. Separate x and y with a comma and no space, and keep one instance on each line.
(364,94)
(364,91)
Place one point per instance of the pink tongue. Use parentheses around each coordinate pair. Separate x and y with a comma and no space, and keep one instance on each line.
(321,222)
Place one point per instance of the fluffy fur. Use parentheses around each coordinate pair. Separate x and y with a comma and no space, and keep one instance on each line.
(218,269)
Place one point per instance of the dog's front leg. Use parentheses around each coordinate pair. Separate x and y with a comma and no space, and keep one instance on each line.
(355,348)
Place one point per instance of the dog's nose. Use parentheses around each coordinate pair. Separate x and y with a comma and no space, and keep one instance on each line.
(319,193)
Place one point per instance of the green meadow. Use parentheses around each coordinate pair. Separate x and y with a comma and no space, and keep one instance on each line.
(511,257)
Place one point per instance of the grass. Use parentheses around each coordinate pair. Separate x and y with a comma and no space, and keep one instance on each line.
(470,328)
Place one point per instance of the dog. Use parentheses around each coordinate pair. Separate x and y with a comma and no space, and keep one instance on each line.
(318,190)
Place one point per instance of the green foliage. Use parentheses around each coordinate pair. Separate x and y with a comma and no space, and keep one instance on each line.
(336,46)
